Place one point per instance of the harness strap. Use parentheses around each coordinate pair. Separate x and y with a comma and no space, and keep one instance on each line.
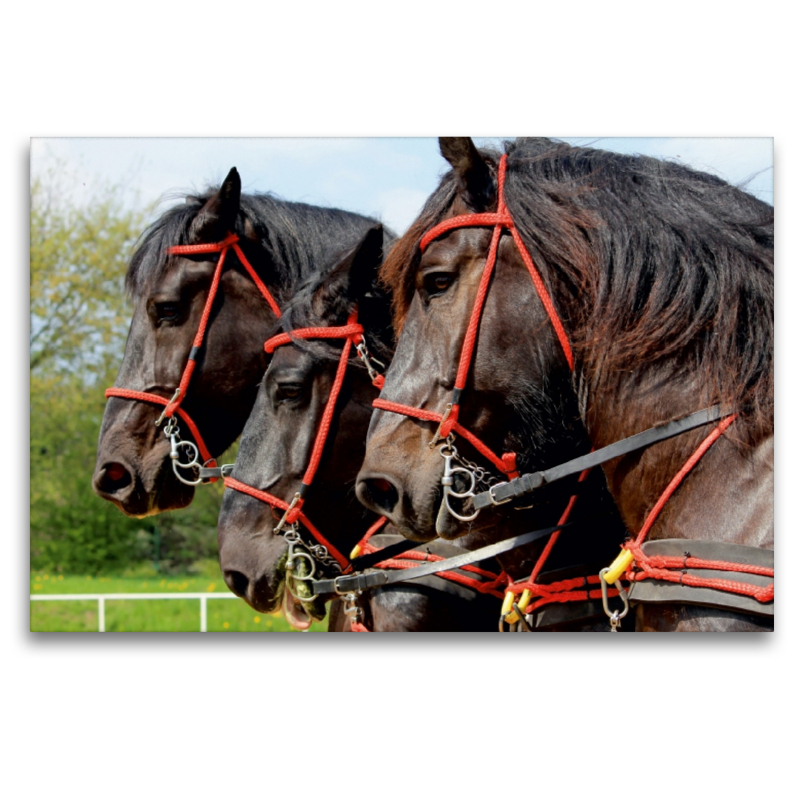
(276,502)
(505,492)
(699,572)
(368,580)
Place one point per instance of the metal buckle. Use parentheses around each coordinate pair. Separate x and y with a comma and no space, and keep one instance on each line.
(295,501)
(363,354)
(494,500)
(174,398)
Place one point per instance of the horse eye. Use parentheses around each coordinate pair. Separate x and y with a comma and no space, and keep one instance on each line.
(167,312)
(437,283)
(289,391)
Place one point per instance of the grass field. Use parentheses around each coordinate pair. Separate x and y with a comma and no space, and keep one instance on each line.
(224,615)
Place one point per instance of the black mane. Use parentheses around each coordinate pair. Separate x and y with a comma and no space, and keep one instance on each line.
(655,262)
(295,238)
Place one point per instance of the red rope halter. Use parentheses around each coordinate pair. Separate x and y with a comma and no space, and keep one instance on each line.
(352,333)
(501,220)
(172,406)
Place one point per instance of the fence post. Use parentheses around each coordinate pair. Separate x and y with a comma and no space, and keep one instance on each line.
(203,615)
(101,614)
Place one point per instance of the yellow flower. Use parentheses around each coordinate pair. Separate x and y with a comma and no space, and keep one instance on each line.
(225,625)
(256,619)
(88,577)
(37,585)
(210,587)
(47,577)
(61,577)
(38,577)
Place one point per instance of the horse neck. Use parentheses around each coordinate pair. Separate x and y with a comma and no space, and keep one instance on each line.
(726,496)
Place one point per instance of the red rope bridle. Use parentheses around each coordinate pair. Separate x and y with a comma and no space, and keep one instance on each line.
(353,335)
(173,405)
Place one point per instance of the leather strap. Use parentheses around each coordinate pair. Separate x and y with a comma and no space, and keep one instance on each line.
(206,473)
(654,591)
(368,580)
(504,492)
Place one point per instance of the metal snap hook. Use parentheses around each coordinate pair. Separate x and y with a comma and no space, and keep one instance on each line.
(614,617)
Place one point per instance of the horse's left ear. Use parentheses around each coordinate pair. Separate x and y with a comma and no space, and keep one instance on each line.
(475,178)
(217,218)
(354,275)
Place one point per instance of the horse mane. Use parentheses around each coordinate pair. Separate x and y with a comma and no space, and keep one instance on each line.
(649,263)
(295,237)
(374,313)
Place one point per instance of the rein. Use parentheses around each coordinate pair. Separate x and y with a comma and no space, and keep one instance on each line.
(173,405)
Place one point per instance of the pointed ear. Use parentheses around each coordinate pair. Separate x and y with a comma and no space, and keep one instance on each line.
(217,217)
(351,278)
(475,179)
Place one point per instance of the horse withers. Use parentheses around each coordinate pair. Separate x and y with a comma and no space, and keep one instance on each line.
(248,249)
(619,293)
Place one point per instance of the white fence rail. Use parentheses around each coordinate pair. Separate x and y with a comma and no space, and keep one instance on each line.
(101,602)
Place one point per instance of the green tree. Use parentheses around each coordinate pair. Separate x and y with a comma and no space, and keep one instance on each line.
(79,318)
(78,312)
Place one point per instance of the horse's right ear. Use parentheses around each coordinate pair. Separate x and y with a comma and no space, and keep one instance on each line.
(475,179)
(217,218)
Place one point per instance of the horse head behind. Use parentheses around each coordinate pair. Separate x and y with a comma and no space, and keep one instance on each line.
(246,248)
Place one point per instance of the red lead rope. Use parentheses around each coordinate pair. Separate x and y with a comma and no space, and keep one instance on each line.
(173,405)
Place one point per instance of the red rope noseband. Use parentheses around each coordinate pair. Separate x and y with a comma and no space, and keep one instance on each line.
(173,405)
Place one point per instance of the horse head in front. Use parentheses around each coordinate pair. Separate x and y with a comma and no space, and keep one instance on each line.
(462,365)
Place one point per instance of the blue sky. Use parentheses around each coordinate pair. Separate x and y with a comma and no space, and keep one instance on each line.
(388,178)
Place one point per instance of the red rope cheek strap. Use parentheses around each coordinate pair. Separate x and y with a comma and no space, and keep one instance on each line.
(352,333)
(501,220)
(172,406)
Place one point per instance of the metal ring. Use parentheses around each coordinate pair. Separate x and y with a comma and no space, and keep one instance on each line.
(192,448)
(176,466)
(469,492)
(456,514)
(291,577)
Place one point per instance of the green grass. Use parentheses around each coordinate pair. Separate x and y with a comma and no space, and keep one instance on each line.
(224,615)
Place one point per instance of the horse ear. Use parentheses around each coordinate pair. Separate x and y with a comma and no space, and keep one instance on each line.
(352,277)
(475,179)
(217,218)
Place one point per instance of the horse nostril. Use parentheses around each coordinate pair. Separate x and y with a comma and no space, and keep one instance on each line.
(379,494)
(237,582)
(113,477)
